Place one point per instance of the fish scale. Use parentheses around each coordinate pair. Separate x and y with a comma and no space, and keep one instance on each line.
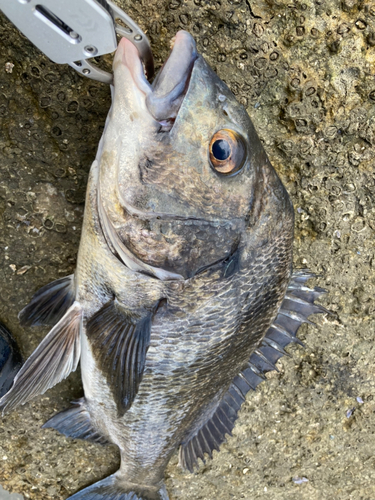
(173,327)
(185,369)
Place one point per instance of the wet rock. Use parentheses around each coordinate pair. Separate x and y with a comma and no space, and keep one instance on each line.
(306,73)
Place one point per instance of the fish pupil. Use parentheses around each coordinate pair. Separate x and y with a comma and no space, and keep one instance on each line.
(221,150)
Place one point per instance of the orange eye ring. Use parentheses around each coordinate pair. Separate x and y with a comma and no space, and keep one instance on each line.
(227,152)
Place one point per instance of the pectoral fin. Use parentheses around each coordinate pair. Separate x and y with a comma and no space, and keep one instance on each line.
(52,361)
(50,303)
(120,342)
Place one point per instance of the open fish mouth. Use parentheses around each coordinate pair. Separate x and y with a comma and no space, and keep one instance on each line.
(162,99)
(167,92)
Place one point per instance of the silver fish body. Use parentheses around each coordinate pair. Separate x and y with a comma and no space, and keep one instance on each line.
(183,294)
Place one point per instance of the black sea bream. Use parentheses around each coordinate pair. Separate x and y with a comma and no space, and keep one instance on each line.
(10,360)
(183,295)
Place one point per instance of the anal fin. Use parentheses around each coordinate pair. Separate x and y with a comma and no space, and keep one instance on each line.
(50,303)
(297,305)
(75,422)
(52,361)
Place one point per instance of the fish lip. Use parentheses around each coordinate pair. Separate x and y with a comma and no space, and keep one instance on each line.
(128,55)
(165,96)
(172,82)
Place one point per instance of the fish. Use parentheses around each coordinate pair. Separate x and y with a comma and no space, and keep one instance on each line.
(10,359)
(184,293)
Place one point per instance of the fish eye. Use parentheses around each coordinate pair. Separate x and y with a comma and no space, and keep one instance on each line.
(221,149)
(227,152)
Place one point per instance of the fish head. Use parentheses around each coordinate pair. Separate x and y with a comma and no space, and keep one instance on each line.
(183,173)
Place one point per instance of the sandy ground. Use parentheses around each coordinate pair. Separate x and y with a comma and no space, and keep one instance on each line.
(305,72)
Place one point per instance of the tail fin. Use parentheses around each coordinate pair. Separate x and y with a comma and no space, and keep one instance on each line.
(116,488)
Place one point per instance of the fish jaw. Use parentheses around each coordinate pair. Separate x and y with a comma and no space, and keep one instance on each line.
(164,98)
(127,55)
(170,85)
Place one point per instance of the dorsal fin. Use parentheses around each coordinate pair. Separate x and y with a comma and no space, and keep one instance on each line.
(297,305)
(120,343)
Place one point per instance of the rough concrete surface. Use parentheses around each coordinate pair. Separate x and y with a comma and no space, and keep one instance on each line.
(305,71)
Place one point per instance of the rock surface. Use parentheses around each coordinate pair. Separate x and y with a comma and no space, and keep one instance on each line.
(306,73)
